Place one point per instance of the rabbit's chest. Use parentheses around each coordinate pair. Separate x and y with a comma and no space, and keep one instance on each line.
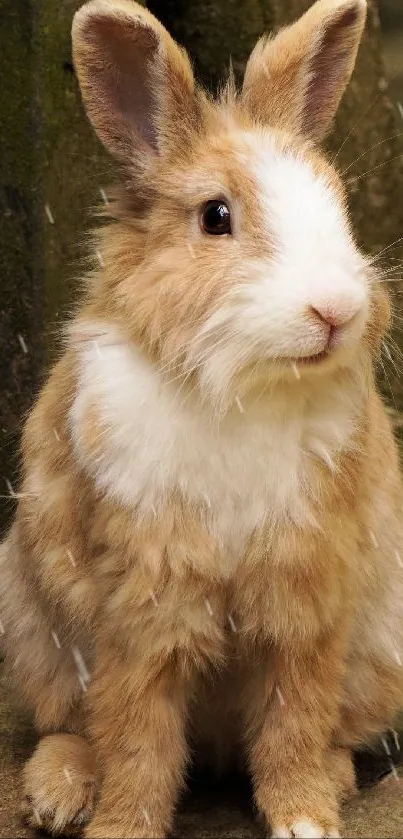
(152,445)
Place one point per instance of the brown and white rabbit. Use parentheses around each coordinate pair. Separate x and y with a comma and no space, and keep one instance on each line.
(206,548)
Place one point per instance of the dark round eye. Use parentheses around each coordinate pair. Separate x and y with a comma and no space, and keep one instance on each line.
(216,218)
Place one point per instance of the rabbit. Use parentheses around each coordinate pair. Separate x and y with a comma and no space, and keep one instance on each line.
(204,562)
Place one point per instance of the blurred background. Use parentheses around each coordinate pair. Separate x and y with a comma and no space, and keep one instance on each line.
(391,14)
(54,173)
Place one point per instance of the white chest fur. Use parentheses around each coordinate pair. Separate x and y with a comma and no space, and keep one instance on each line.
(256,463)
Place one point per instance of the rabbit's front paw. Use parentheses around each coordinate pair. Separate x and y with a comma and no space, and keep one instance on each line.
(60,786)
(304,829)
(304,808)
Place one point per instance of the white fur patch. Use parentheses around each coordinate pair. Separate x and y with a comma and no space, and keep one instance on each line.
(254,464)
(303,829)
(306,829)
(310,263)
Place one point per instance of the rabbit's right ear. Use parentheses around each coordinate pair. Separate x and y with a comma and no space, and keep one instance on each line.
(136,82)
(296,79)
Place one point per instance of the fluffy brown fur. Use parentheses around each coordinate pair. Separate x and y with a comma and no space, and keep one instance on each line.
(124,628)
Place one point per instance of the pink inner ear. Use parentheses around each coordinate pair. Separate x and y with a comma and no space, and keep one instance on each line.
(121,79)
(327,72)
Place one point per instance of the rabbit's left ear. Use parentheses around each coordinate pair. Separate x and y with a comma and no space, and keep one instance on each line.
(296,79)
(136,82)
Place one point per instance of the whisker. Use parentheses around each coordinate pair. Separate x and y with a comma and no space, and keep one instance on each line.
(389,356)
(365,112)
(356,124)
(380,143)
(395,347)
(389,384)
(379,166)
(384,250)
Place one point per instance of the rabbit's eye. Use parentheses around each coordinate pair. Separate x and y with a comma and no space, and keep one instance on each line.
(216,218)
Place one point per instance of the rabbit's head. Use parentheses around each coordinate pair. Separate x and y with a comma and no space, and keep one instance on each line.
(233,257)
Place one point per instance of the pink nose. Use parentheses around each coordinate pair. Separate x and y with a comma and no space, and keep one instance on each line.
(335,314)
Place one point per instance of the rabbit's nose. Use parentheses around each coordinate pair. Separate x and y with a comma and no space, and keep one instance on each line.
(335,313)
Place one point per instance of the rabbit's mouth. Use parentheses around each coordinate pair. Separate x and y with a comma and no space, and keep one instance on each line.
(333,343)
(316,358)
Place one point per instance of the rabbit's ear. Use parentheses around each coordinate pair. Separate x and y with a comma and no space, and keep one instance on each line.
(135,80)
(296,79)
